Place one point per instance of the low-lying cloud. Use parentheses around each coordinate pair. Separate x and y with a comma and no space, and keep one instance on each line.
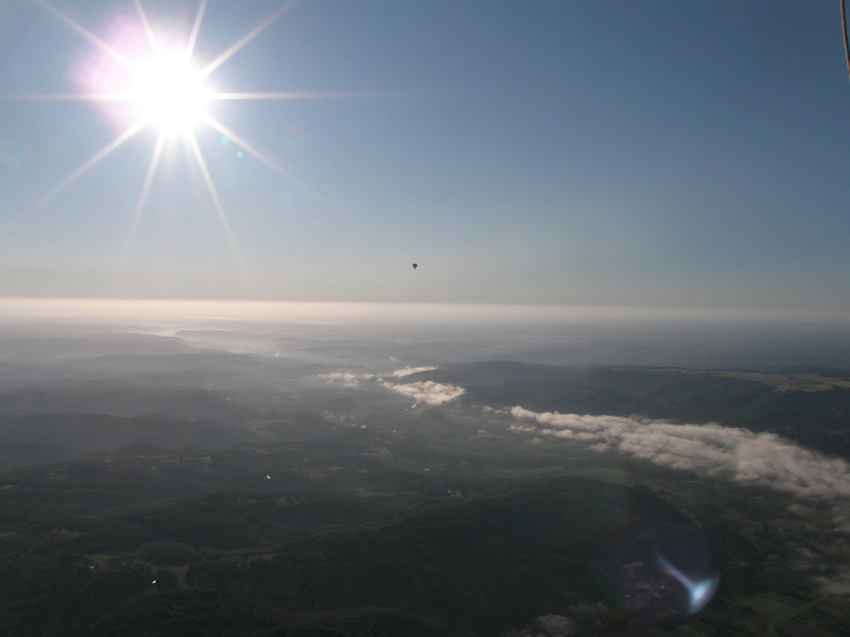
(838,584)
(757,459)
(351,379)
(407,371)
(346,378)
(427,391)
(424,391)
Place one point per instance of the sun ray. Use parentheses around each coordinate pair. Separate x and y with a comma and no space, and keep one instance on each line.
(115,143)
(205,173)
(140,204)
(217,97)
(147,25)
(219,208)
(216,125)
(193,38)
(221,59)
(68,97)
(91,37)
(146,187)
(223,97)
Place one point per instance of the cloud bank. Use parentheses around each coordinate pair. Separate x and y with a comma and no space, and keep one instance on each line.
(346,378)
(763,459)
(407,371)
(350,379)
(427,391)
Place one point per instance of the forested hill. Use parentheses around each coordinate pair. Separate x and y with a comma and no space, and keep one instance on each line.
(808,405)
(308,564)
(87,432)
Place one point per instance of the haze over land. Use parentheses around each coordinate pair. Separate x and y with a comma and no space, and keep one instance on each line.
(470,404)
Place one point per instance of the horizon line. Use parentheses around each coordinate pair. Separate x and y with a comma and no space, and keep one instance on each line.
(358,311)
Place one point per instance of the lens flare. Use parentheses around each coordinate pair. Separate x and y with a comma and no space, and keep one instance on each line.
(699,592)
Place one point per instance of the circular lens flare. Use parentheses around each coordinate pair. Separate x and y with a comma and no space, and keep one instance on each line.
(169,93)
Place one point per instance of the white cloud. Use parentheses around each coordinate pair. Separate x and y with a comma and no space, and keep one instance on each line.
(346,378)
(837,584)
(762,459)
(407,371)
(428,391)
(350,379)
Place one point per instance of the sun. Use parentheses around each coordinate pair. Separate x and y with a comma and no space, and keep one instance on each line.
(170,93)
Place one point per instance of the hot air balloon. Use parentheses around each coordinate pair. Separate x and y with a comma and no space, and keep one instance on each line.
(415,265)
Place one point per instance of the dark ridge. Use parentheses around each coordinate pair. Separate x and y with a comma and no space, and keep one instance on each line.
(189,404)
(91,432)
(144,450)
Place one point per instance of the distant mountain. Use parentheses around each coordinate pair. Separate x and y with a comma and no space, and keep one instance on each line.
(23,453)
(816,417)
(176,366)
(656,393)
(57,347)
(143,450)
(299,426)
(492,373)
(189,404)
(91,432)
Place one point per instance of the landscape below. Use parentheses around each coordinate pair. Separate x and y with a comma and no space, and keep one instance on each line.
(256,496)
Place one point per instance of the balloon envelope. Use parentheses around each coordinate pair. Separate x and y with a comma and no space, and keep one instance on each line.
(415,265)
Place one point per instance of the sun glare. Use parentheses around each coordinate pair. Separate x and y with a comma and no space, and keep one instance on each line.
(170,93)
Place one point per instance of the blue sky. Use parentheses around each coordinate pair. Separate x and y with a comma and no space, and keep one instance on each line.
(684,154)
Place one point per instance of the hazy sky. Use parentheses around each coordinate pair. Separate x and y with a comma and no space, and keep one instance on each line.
(675,153)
